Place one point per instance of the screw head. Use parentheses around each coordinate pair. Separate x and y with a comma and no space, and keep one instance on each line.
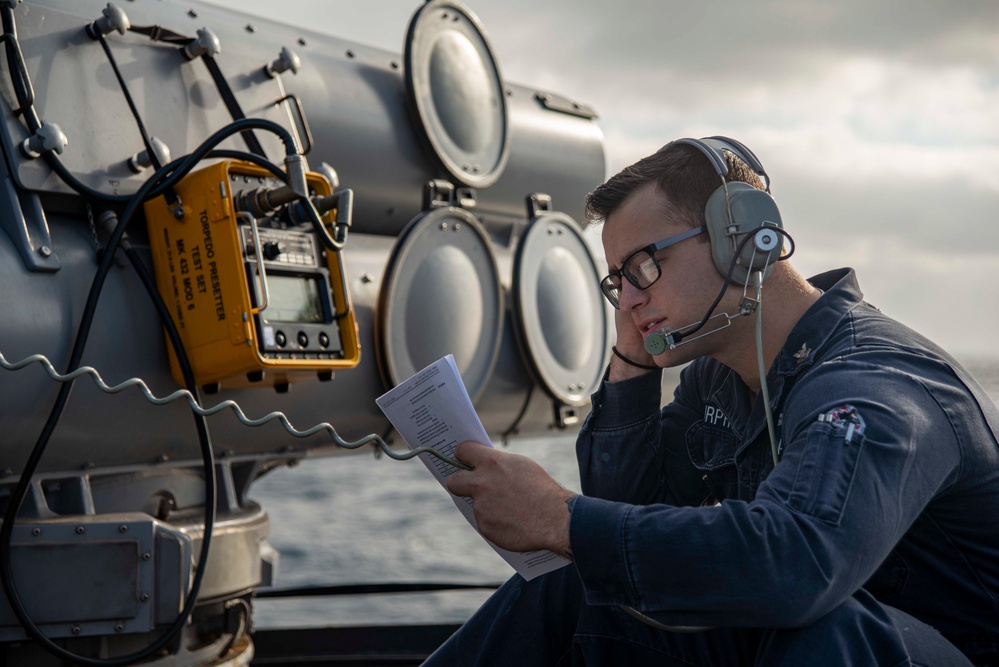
(36,531)
(45,251)
(122,528)
(80,530)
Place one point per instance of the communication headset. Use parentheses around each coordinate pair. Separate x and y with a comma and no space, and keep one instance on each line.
(736,209)
(746,234)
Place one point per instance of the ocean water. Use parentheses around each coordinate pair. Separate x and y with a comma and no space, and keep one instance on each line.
(360,519)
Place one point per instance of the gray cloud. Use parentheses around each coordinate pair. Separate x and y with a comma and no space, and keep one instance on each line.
(876,119)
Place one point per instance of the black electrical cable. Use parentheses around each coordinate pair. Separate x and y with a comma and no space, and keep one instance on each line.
(23,91)
(25,97)
(231,103)
(678,335)
(250,157)
(131,103)
(160,180)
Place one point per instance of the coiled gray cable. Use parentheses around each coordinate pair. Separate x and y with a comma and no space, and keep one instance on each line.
(372,439)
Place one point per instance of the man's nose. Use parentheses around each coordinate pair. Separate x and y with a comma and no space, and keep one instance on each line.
(631,296)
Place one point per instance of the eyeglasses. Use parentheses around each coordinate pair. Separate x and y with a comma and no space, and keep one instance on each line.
(641,268)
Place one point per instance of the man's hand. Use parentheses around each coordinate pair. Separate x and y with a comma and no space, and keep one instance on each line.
(517,505)
(631,344)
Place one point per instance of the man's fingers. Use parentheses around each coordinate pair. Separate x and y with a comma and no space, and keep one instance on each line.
(470,451)
(473,453)
(458,485)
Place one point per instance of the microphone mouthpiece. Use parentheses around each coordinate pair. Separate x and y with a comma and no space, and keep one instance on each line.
(658,342)
(655,343)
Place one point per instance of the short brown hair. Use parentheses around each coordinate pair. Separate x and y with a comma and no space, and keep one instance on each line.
(681,172)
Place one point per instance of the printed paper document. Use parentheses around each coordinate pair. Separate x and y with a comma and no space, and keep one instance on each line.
(432,409)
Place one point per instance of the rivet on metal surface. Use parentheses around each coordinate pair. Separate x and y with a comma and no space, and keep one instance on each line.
(36,531)
(122,528)
(119,626)
(45,251)
(457,226)
(146,556)
(144,597)
(443,226)
(80,530)
(75,629)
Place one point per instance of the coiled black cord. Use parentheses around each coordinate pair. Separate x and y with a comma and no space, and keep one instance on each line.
(162,179)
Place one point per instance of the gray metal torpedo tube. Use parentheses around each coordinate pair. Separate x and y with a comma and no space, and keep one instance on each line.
(311,221)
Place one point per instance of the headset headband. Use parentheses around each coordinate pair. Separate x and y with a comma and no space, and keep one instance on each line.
(712,148)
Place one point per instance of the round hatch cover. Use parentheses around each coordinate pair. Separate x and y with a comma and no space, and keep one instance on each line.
(563,326)
(455,92)
(441,295)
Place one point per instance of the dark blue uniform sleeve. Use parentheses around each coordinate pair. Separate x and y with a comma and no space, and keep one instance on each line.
(836,504)
(631,450)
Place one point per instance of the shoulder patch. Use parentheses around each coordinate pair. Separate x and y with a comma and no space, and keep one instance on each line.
(845,417)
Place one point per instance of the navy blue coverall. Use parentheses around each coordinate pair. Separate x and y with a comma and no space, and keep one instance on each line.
(877,529)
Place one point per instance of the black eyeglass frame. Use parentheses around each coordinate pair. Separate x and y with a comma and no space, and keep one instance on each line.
(613,292)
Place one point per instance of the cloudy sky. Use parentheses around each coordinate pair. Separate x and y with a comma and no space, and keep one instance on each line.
(877,120)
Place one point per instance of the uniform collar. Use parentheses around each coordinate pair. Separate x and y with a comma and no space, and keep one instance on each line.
(841,295)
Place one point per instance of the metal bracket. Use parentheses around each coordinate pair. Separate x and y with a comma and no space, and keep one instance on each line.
(565,415)
(537,203)
(302,123)
(554,102)
(438,193)
(23,218)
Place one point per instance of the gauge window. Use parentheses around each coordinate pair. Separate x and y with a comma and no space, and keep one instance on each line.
(293,299)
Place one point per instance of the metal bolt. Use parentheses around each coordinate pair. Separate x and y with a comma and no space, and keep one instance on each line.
(75,629)
(144,597)
(119,626)
(457,226)
(36,531)
(80,530)
(45,251)
(443,226)
(146,556)
(122,528)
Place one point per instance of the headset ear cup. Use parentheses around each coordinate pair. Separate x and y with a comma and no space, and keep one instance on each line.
(752,209)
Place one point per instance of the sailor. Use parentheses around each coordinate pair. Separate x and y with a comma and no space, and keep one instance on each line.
(839,509)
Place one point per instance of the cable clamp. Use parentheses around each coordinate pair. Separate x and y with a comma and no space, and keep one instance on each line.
(49,137)
(114,19)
